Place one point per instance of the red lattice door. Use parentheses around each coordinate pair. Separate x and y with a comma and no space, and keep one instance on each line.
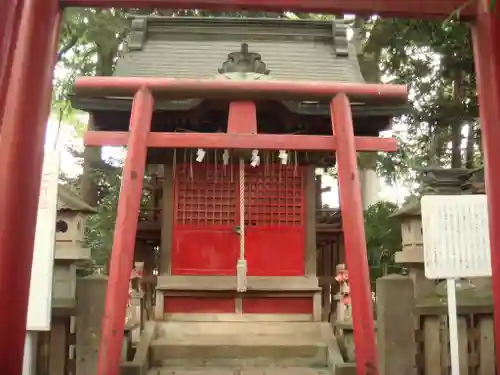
(274,220)
(205,218)
(207,213)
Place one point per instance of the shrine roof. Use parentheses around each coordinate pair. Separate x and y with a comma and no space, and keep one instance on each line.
(192,47)
(239,48)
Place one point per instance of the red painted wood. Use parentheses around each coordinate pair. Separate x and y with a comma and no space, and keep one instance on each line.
(277,251)
(193,305)
(240,141)
(21,153)
(277,305)
(486,37)
(354,236)
(204,251)
(389,8)
(239,89)
(9,28)
(205,215)
(122,254)
(242,118)
(274,215)
(207,211)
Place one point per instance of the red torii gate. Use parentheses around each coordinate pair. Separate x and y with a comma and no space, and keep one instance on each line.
(32,28)
(241,134)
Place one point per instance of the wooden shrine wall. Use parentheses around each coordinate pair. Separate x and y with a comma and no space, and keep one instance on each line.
(206,219)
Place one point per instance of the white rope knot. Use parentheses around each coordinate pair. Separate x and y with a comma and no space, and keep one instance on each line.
(241,265)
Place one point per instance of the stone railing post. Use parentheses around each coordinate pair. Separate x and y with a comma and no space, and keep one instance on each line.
(90,296)
(395,325)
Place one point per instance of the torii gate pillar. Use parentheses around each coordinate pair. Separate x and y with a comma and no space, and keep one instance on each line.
(486,38)
(21,156)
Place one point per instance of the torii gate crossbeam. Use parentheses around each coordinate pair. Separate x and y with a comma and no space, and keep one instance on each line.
(22,136)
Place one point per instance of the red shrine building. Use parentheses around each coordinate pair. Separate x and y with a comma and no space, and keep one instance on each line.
(191,231)
(279,125)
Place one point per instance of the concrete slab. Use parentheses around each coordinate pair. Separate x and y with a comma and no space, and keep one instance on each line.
(244,345)
(239,371)
(245,329)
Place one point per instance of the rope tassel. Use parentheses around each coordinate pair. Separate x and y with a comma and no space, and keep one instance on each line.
(241,265)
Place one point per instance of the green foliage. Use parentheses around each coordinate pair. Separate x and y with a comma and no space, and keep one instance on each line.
(435,60)
(383,233)
(100,227)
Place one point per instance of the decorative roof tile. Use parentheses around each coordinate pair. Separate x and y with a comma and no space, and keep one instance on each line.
(188,47)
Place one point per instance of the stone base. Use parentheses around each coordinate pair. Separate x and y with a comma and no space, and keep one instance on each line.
(230,348)
(230,344)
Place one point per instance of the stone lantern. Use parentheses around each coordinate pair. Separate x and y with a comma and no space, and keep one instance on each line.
(72,212)
(412,254)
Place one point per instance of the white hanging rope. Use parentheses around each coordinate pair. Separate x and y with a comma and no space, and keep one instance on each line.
(241,265)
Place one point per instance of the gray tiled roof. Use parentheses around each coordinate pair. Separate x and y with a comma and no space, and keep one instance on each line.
(197,47)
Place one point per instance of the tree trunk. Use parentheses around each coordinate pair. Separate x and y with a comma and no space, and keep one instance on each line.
(469,151)
(456,145)
(92,155)
(91,160)
(456,126)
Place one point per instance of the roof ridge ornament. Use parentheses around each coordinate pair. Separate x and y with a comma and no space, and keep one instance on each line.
(244,61)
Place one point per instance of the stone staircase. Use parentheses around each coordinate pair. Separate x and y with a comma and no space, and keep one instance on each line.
(230,348)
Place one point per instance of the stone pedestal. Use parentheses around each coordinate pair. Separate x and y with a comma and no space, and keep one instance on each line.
(395,330)
(413,259)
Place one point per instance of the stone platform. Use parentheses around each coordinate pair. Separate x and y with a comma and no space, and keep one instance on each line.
(243,348)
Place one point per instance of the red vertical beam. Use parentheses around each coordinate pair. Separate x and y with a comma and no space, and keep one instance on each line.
(21,154)
(486,38)
(122,254)
(9,27)
(354,236)
(242,118)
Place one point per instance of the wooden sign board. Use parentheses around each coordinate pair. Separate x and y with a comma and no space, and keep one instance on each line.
(456,237)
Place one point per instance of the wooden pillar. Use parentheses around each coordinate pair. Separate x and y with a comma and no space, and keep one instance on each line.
(122,254)
(167,221)
(486,38)
(310,238)
(354,236)
(21,152)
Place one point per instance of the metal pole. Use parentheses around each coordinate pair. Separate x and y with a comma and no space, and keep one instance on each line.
(21,149)
(122,254)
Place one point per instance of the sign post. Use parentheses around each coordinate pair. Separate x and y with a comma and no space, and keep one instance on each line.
(42,269)
(456,245)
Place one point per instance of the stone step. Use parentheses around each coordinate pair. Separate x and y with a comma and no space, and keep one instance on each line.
(239,371)
(240,344)
(183,328)
(233,350)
